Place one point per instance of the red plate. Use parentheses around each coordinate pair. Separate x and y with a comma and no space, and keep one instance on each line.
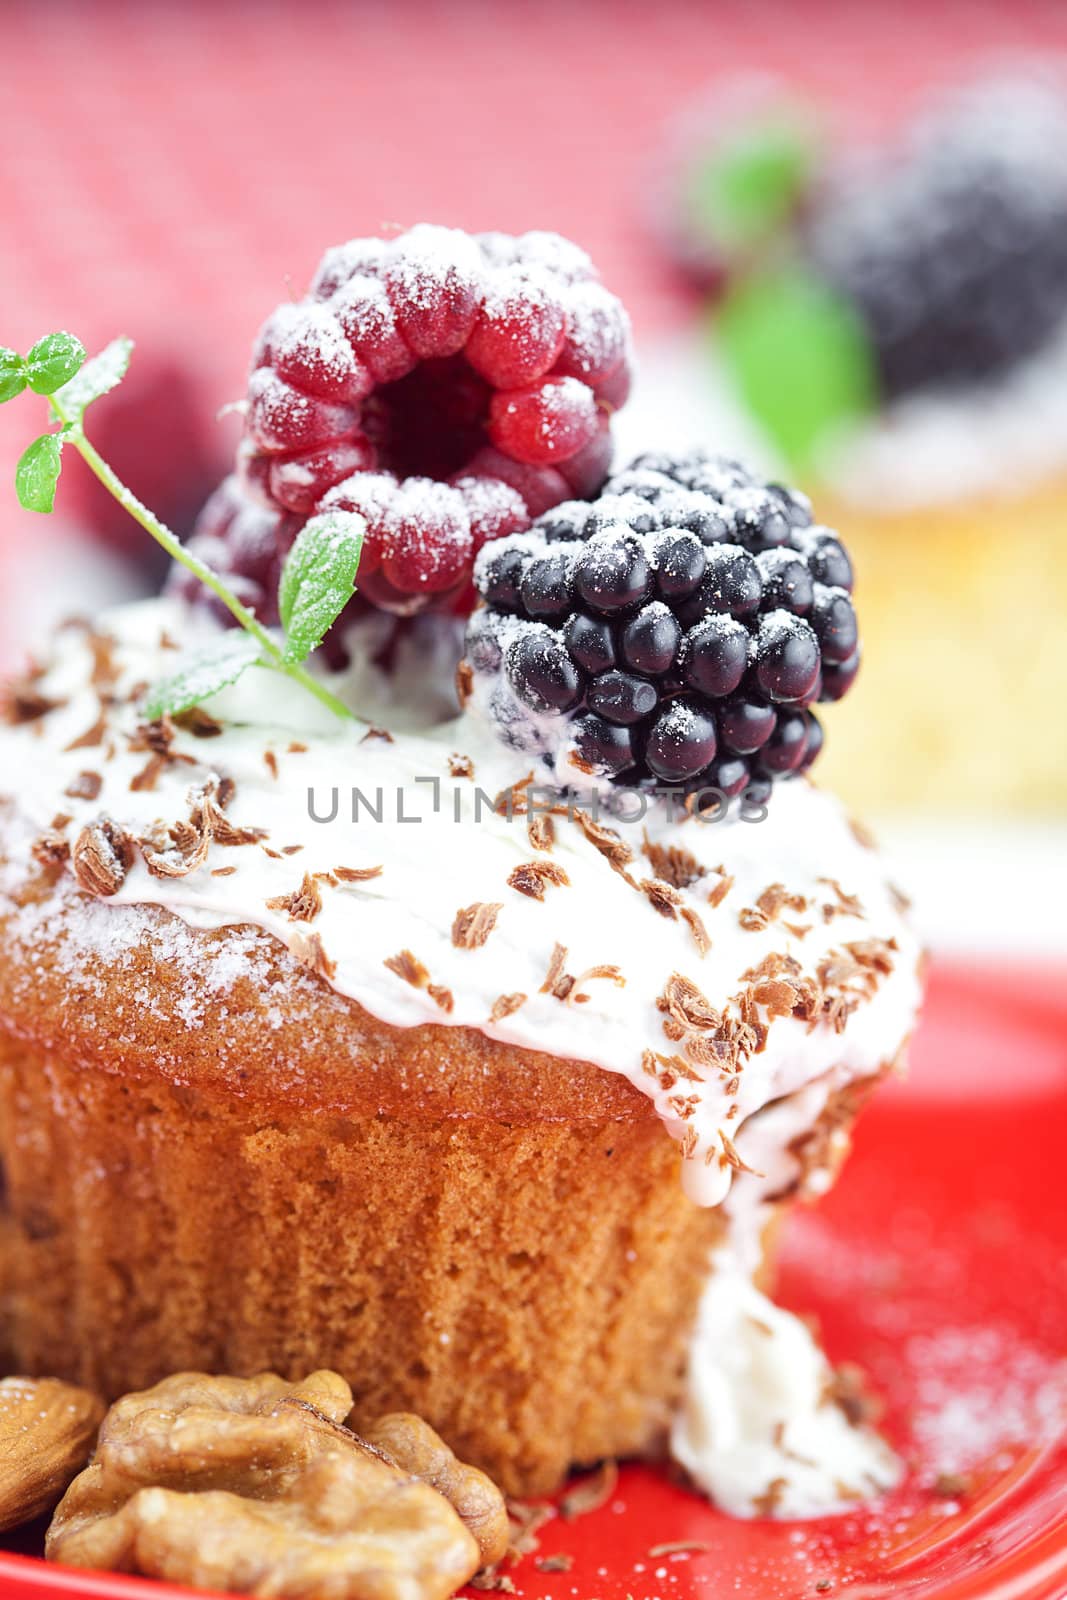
(938,1263)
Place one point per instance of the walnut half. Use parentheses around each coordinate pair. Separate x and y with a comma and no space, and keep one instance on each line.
(255,1486)
(47,1430)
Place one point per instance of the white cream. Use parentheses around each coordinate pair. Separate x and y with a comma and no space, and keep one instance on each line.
(758,1429)
(433,865)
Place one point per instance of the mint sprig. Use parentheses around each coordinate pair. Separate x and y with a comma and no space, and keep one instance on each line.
(318,578)
(799,356)
(202,674)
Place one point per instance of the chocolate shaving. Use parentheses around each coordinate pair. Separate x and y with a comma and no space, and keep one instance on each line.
(441,996)
(86,786)
(675,865)
(848,905)
(576,995)
(21,701)
(189,841)
(668,1069)
(200,723)
(91,738)
(223,872)
(686,1006)
(460,766)
(357,874)
(223,831)
(51,851)
(311,952)
(718,894)
(732,1158)
(767,1503)
(592,1493)
(556,1563)
(102,856)
(408,967)
(473,924)
(556,980)
(616,852)
(533,877)
(513,798)
(271,762)
(661,896)
(953,1484)
(848,1389)
(505,1004)
(303,905)
(296,748)
(540,830)
(145,780)
(157,736)
(877,954)
(678,1547)
(105,671)
(696,927)
(374,732)
(464,682)
(490,1578)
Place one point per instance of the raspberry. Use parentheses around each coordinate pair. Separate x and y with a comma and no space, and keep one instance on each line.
(675,631)
(543,422)
(245,543)
(953,248)
(489,365)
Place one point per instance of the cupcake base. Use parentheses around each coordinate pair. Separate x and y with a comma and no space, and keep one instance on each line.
(528,1290)
(214,1161)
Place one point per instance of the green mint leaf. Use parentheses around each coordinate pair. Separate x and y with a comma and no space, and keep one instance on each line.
(37,473)
(202,673)
(98,376)
(12,374)
(800,357)
(749,185)
(53,361)
(319,579)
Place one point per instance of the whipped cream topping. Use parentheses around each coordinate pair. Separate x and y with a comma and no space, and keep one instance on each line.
(759,1429)
(689,992)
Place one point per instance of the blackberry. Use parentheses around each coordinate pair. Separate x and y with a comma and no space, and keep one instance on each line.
(676,631)
(953,248)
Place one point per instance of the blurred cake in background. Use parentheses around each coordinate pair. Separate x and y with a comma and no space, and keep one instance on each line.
(900,340)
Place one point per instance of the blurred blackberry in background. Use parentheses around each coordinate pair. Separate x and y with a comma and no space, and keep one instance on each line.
(676,631)
(953,249)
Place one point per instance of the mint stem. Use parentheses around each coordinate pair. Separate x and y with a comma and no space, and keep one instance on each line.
(74,434)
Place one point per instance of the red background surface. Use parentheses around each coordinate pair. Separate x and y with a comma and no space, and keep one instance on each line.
(169,170)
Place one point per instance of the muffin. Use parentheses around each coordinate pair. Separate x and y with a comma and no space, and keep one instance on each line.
(408,1133)
(902,343)
(475,1055)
